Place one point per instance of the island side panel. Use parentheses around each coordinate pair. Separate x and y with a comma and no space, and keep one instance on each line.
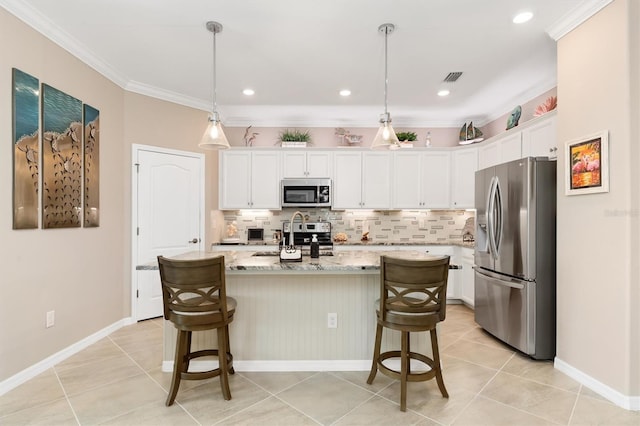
(284,317)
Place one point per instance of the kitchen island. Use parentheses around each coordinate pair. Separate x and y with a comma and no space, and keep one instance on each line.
(281,323)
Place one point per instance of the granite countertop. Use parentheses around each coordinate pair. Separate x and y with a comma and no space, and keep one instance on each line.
(467,244)
(344,262)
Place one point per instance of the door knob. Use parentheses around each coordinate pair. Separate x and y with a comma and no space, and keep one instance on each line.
(194,241)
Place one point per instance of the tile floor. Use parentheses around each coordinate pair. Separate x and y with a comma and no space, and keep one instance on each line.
(118,381)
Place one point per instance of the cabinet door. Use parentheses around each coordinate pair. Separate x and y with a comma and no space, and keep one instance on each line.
(510,147)
(488,155)
(540,139)
(294,164)
(406,181)
(464,165)
(235,180)
(376,180)
(467,288)
(265,180)
(319,164)
(347,180)
(436,180)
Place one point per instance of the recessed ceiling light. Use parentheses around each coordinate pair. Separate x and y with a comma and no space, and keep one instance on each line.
(248,92)
(523,17)
(443,92)
(345,92)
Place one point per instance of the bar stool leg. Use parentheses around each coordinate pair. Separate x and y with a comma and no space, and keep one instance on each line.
(436,361)
(180,361)
(376,354)
(231,370)
(222,362)
(404,370)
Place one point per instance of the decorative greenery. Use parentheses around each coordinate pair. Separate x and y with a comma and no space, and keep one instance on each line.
(406,136)
(295,135)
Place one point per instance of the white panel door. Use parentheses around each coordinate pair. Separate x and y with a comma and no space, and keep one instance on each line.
(294,164)
(265,180)
(510,147)
(319,164)
(540,140)
(169,214)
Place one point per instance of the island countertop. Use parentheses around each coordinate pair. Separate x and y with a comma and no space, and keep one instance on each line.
(269,262)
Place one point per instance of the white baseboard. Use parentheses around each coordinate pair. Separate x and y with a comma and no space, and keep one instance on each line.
(627,402)
(281,366)
(40,367)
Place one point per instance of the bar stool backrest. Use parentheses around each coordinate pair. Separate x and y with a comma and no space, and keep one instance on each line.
(194,292)
(413,291)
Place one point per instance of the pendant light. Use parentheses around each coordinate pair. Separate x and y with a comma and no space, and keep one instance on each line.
(214,137)
(386,136)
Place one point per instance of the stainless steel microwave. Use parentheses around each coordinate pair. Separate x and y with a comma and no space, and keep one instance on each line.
(306,192)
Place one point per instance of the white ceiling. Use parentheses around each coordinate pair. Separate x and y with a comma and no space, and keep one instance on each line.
(297,54)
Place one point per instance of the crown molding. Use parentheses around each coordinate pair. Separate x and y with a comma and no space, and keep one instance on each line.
(576,17)
(167,95)
(51,31)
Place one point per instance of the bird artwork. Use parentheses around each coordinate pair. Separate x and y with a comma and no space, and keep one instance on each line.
(249,137)
(514,117)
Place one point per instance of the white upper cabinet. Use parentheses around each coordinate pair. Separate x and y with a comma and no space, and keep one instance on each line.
(539,139)
(307,164)
(249,180)
(362,180)
(500,150)
(421,180)
(464,165)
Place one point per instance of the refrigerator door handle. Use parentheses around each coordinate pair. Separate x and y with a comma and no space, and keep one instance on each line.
(498,224)
(493,249)
(513,282)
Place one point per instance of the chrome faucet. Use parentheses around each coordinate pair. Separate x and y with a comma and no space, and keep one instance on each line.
(293,216)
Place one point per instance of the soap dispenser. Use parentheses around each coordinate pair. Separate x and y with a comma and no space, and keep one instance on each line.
(315,246)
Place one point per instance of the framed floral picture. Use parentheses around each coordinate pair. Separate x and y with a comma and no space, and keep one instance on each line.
(587,164)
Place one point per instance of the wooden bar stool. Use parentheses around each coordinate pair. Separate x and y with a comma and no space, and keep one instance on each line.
(194,297)
(413,298)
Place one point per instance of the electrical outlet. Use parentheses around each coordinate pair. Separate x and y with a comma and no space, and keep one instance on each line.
(332,320)
(51,319)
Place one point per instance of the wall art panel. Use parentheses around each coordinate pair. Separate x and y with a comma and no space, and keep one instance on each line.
(91,167)
(25,150)
(61,159)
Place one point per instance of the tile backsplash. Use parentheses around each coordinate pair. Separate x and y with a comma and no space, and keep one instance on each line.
(406,226)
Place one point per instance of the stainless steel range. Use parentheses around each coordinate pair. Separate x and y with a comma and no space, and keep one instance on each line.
(303,232)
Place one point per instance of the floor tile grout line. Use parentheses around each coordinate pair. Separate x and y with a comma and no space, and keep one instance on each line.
(153,380)
(575,404)
(520,409)
(66,396)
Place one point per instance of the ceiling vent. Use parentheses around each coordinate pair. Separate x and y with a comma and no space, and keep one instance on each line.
(452,77)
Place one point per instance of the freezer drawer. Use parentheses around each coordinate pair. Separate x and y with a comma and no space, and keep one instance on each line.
(506,309)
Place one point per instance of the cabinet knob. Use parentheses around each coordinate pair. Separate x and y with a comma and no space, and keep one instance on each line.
(194,241)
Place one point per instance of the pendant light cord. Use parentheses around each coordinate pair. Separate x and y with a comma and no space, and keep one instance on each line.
(386,79)
(215,104)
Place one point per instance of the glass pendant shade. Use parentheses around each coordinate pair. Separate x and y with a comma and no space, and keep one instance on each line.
(213,137)
(386,137)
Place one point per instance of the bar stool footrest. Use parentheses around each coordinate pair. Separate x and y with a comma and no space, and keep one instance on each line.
(419,376)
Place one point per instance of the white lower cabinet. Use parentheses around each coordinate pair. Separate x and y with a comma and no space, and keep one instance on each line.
(467,288)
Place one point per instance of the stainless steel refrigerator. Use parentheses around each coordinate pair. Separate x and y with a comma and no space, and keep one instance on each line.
(515,254)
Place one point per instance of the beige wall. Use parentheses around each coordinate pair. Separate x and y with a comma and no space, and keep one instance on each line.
(149,121)
(598,234)
(80,273)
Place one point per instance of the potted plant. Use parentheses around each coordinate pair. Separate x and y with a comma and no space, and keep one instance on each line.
(407,136)
(406,139)
(295,137)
